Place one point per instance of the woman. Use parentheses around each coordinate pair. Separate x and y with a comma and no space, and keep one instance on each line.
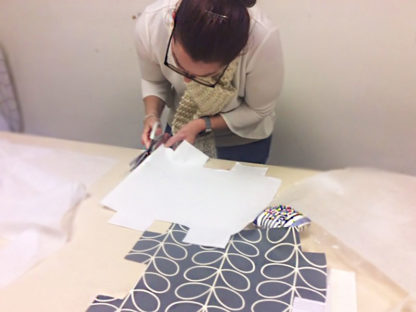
(217,65)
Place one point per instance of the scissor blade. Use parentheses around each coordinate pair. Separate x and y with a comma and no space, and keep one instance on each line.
(154,144)
(138,160)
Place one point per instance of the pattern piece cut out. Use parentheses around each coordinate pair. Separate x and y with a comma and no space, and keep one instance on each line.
(259,270)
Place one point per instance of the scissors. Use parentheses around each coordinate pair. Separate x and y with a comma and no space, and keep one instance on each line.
(155,142)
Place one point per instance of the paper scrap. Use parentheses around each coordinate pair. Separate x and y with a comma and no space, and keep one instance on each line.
(342,293)
(307,305)
(174,186)
(240,168)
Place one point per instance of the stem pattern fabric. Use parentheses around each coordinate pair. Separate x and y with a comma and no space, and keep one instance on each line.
(259,271)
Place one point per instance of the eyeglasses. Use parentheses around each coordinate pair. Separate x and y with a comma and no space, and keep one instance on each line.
(206,81)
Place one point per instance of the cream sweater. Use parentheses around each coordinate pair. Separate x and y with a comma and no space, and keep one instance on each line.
(250,115)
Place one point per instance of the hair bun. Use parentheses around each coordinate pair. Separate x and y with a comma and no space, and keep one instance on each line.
(248,3)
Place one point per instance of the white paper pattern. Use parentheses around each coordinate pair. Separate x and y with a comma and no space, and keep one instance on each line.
(174,186)
(342,292)
(306,305)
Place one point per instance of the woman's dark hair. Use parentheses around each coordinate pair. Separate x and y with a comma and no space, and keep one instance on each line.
(213,30)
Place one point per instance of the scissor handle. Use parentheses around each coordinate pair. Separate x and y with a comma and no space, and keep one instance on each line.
(154,129)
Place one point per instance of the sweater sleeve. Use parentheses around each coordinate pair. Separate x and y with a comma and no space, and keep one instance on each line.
(153,82)
(254,117)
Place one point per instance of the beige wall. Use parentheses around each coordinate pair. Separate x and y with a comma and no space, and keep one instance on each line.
(350,85)
(75,67)
(349,90)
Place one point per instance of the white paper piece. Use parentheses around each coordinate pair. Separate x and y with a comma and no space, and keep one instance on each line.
(341,295)
(370,211)
(174,186)
(242,169)
(342,292)
(306,305)
(37,202)
(187,155)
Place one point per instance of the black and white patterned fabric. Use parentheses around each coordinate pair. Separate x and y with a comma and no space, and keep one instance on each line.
(259,270)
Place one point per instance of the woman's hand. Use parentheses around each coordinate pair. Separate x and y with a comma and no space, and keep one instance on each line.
(149,121)
(188,132)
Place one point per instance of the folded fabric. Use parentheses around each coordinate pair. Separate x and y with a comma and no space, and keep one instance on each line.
(33,205)
(35,227)
(38,200)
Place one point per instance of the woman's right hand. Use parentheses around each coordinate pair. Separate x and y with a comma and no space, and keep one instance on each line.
(149,121)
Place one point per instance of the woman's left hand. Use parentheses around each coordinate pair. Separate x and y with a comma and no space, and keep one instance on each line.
(188,132)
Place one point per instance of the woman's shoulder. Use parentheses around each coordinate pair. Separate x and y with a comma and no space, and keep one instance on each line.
(159,5)
(158,12)
(261,29)
(156,20)
(261,25)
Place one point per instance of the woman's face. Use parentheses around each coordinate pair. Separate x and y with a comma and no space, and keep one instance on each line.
(192,68)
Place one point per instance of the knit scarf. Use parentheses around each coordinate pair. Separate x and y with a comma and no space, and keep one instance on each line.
(199,100)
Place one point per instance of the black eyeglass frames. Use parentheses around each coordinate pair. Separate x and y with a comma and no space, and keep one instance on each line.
(179,71)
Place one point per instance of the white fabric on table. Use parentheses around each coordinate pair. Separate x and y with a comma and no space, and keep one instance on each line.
(39,191)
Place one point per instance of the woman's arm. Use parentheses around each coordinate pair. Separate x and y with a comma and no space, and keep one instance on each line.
(153,108)
(254,117)
(190,131)
(155,87)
